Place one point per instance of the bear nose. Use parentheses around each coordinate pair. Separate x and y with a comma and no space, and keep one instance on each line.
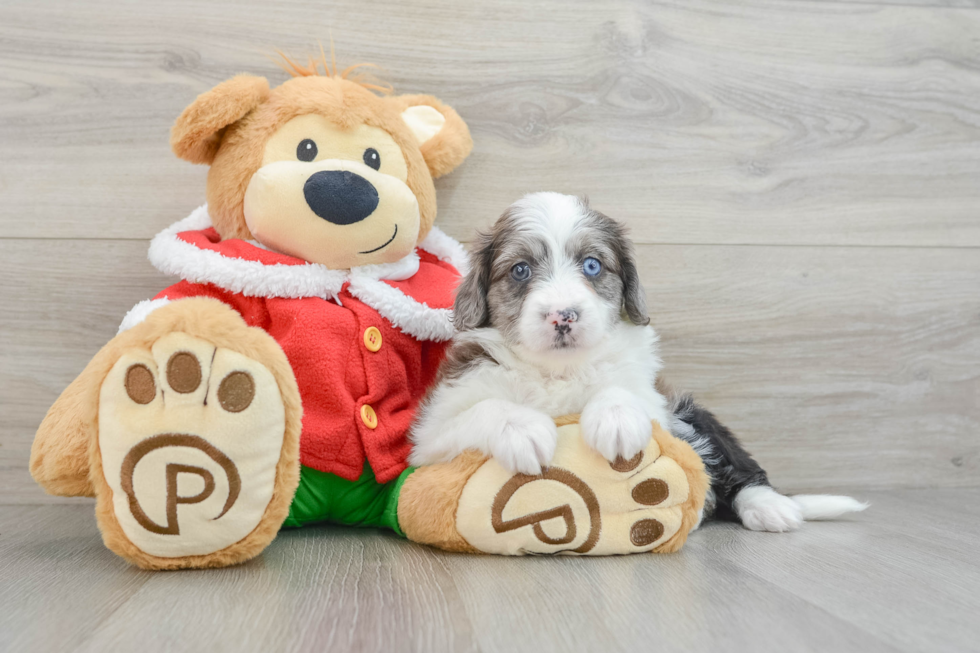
(340,196)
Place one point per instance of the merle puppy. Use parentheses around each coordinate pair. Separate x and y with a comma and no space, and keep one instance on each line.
(552,320)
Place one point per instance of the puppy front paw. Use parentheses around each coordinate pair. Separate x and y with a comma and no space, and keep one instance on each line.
(526,443)
(616,426)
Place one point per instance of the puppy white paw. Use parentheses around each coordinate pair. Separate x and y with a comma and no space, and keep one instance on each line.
(616,425)
(761,508)
(526,443)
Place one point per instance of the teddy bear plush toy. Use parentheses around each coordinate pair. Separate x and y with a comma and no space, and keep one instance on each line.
(275,383)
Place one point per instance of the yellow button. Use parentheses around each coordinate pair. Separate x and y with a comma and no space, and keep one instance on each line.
(368,416)
(372,339)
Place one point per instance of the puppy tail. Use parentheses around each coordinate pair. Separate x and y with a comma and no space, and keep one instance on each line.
(816,507)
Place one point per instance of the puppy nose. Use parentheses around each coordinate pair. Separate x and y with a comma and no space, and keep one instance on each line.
(340,196)
(563,316)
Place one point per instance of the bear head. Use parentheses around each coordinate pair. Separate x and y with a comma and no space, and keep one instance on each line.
(321,167)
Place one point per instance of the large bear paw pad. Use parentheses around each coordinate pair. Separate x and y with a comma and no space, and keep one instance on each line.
(581,504)
(190,436)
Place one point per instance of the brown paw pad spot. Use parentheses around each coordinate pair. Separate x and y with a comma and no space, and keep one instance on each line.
(645,532)
(623,465)
(183,372)
(650,492)
(236,392)
(140,385)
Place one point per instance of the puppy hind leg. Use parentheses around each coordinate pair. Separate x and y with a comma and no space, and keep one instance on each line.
(729,465)
(761,508)
(739,486)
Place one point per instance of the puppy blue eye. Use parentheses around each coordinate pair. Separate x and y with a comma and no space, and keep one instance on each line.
(592,267)
(521,272)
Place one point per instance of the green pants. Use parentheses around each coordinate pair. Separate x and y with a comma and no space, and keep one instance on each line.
(325,497)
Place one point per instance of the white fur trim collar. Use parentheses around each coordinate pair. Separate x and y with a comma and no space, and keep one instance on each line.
(176,257)
(448,249)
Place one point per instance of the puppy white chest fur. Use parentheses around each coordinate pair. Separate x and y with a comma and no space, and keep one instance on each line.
(626,358)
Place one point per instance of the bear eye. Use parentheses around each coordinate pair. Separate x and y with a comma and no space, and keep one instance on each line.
(306,150)
(521,272)
(592,267)
(371,158)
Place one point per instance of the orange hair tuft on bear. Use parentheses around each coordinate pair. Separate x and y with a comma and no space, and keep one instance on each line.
(330,69)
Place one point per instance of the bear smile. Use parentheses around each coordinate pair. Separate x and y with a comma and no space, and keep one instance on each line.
(371,251)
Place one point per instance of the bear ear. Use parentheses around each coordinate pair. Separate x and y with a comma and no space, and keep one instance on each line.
(442,135)
(196,135)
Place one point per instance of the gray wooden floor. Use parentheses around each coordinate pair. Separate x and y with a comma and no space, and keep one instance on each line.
(903,576)
(803,181)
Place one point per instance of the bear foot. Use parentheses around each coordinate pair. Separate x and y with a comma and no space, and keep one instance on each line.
(190,446)
(583,504)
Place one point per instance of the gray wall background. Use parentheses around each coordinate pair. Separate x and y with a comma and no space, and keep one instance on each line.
(803,180)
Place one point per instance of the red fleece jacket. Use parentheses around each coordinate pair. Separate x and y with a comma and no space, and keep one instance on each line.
(335,368)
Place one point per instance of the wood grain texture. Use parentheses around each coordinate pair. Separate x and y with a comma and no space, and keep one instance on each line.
(900,577)
(65,301)
(698,122)
(59,581)
(881,577)
(936,4)
(837,366)
(318,589)
(811,187)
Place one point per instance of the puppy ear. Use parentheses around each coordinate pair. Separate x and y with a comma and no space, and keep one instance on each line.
(442,135)
(196,135)
(634,299)
(471,310)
